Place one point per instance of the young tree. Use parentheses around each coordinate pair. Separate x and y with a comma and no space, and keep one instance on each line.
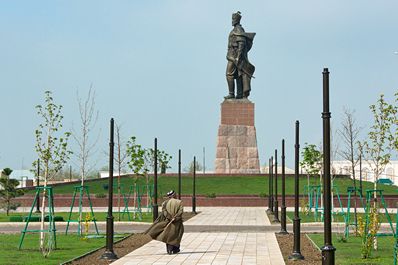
(8,191)
(88,120)
(142,161)
(377,149)
(135,155)
(312,161)
(164,160)
(51,147)
(394,131)
(162,157)
(189,169)
(349,134)
(120,161)
(137,161)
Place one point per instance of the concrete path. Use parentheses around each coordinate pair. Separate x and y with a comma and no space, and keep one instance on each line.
(216,247)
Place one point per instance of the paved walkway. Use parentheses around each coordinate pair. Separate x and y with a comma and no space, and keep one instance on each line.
(230,216)
(216,247)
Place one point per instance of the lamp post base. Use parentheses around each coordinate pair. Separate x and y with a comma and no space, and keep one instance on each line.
(283,221)
(276,212)
(328,254)
(108,255)
(296,256)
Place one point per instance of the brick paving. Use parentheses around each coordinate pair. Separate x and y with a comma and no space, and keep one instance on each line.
(216,247)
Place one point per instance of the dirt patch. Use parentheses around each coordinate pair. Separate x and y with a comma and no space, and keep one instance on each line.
(311,254)
(121,248)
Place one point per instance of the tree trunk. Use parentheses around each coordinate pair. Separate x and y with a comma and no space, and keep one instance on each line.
(118,194)
(43,207)
(355,198)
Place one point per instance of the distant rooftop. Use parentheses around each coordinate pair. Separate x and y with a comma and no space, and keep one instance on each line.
(19,173)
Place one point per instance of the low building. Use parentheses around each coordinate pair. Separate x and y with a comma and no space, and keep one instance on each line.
(343,167)
(24,176)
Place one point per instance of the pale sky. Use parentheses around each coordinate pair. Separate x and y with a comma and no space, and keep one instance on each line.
(158,68)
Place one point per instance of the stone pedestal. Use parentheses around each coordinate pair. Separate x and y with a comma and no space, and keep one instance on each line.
(236,141)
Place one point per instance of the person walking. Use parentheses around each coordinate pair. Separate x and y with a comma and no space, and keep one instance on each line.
(168,227)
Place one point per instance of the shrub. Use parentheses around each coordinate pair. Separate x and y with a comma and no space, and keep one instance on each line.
(304,206)
(369,235)
(211,195)
(46,219)
(16,218)
(100,195)
(105,186)
(262,195)
(32,219)
(56,218)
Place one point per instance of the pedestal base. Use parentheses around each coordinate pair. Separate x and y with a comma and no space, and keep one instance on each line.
(236,141)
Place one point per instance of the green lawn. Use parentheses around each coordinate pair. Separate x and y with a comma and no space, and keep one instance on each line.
(338,217)
(349,253)
(68,247)
(244,185)
(99,216)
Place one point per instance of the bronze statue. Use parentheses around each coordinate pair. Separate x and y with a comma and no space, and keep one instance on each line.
(239,67)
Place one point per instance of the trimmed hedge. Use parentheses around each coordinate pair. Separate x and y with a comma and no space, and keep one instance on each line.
(16,218)
(46,219)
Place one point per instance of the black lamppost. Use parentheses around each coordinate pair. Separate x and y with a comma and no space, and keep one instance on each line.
(179,174)
(109,254)
(328,249)
(37,185)
(272,184)
(283,208)
(276,206)
(296,255)
(194,186)
(269,210)
(155,183)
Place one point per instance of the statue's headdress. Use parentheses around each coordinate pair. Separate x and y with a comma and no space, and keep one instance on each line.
(236,16)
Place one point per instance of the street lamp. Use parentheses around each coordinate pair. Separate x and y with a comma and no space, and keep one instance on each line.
(155,206)
(276,206)
(109,254)
(296,255)
(327,250)
(283,208)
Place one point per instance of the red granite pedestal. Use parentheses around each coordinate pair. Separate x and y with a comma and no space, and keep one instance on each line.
(236,141)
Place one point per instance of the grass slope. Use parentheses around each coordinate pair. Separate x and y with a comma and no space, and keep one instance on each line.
(244,185)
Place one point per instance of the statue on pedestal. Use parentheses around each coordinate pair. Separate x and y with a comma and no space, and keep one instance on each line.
(239,68)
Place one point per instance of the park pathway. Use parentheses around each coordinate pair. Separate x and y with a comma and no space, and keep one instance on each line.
(226,247)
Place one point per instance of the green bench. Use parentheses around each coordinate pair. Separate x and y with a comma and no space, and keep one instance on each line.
(385,181)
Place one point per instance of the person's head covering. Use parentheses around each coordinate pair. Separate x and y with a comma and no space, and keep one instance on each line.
(171,193)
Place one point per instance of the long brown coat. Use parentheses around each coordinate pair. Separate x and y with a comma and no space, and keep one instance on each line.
(166,229)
